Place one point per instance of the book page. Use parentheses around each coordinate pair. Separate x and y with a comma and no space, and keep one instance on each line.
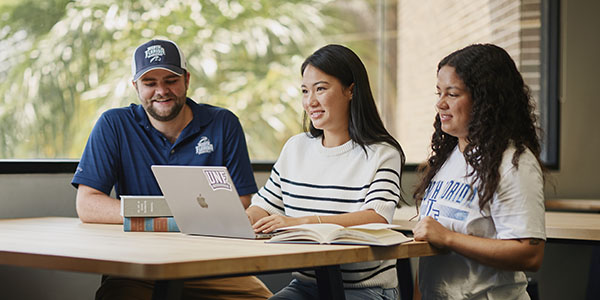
(316,232)
(381,237)
(375,226)
(378,234)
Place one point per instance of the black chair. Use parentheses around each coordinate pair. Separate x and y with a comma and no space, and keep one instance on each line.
(532,288)
(593,288)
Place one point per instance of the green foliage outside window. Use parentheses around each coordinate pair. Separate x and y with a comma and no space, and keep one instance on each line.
(63,63)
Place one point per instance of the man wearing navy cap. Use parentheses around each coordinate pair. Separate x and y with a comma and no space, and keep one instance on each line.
(166,129)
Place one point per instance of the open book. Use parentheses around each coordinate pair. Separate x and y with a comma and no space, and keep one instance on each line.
(375,234)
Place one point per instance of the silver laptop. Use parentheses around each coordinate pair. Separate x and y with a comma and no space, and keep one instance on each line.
(204,201)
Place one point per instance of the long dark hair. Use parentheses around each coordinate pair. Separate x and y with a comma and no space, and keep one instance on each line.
(364,126)
(502,113)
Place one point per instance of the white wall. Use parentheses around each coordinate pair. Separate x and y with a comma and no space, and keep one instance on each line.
(34,195)
(580,106)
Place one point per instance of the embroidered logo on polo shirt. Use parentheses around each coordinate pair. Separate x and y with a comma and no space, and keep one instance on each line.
(204,146)
(155,53)
(217,179)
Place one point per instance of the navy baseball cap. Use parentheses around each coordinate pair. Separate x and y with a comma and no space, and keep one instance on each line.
(157,54)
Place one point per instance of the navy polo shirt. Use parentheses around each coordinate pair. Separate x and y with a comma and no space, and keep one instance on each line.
(123,145)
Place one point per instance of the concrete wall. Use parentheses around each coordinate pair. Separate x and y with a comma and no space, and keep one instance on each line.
(563,274)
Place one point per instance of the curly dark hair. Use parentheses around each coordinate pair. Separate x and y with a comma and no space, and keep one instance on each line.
(502,113)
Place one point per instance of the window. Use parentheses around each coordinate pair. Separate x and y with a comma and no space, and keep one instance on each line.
(63,63)
(445,26)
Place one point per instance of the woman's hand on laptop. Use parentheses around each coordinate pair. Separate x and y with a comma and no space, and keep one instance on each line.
(273,222)
(262,222)
(255,213)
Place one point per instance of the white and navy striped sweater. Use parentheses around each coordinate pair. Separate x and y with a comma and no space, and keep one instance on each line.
(309,179)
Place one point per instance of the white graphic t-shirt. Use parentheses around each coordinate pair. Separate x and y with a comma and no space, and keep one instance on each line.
(515,211)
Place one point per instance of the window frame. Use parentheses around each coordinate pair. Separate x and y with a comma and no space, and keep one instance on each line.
(57,166)
(550,83)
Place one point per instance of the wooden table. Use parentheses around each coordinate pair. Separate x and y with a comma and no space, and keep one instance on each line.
(580,205)
(69,245)
(560,226)
(571,226)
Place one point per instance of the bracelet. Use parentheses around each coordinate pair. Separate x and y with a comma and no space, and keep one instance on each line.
(318,218)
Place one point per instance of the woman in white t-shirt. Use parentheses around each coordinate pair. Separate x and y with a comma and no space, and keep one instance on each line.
(481,192)
(345,169)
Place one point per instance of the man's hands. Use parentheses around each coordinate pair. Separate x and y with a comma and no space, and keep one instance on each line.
(94,206)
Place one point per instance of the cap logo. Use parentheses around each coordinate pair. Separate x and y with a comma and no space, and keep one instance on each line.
(155,53)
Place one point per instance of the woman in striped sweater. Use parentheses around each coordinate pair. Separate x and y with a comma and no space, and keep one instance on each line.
(345,169)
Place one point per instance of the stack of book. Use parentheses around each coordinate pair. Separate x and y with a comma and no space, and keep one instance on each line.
(147,213)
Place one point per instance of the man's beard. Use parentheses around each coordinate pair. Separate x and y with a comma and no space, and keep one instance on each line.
(177,107)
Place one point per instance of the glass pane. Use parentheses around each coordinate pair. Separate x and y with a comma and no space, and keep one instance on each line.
(63,63)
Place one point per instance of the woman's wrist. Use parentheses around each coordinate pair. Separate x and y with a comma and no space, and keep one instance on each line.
(255,213)
(308,220)
(449,239)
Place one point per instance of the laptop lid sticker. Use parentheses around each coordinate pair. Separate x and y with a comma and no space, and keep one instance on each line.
(217,179)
